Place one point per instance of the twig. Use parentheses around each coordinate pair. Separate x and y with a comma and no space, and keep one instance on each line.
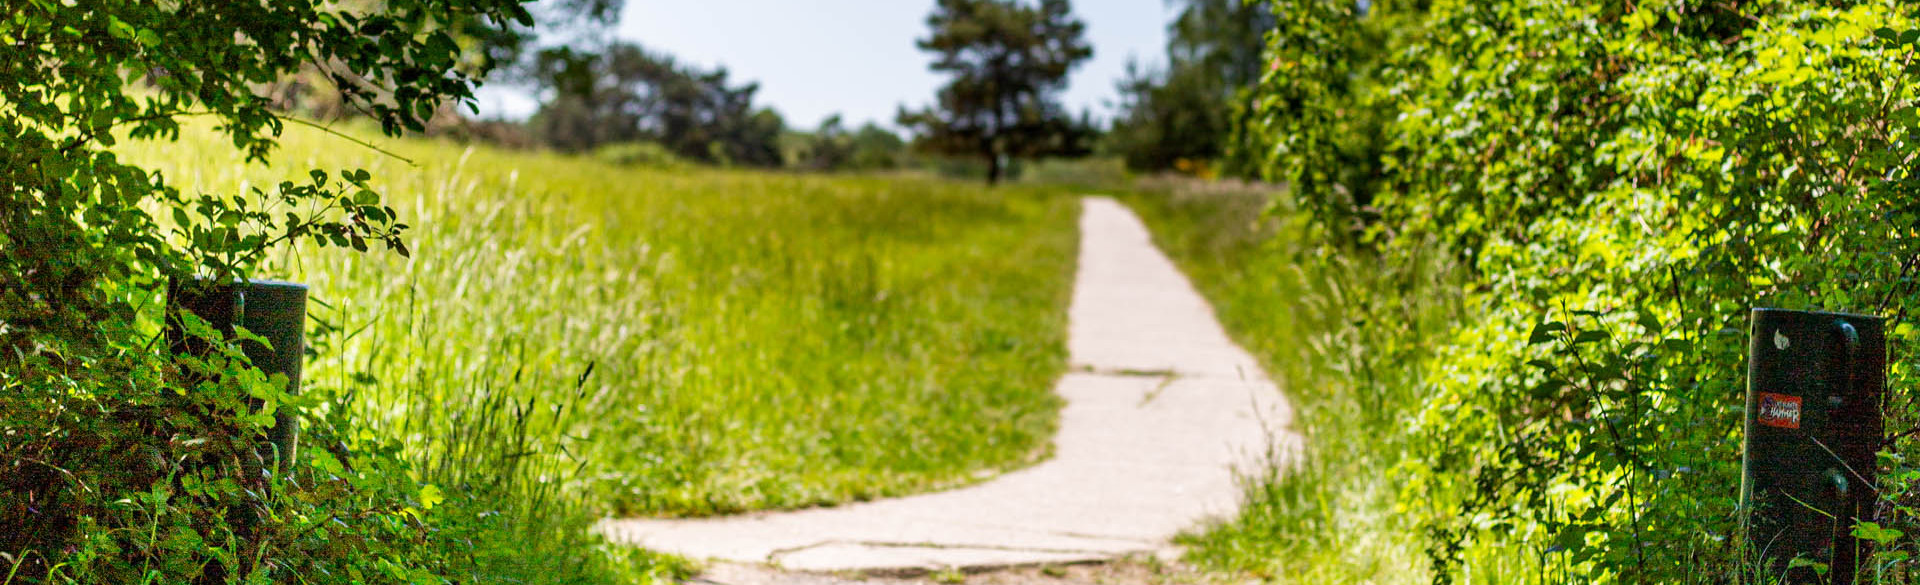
(358,141)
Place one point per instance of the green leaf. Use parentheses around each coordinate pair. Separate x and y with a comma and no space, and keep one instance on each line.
(1572,538)
(430,496)
(1543,332)
(1817,566)
(119,29)
(243,334)
(1874,532)
(325,462)
(1648,321)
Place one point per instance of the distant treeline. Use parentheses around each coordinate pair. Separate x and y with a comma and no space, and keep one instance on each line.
(632,105)
(629,104)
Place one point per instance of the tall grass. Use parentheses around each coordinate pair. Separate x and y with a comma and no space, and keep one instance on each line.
(682,342)
(1334,328)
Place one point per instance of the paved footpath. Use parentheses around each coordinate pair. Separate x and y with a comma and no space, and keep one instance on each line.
(1161,409)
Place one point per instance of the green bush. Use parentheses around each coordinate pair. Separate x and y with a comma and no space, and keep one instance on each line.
(1621,181)
(122,461)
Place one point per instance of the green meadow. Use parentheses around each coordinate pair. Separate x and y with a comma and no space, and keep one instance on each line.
(680,342)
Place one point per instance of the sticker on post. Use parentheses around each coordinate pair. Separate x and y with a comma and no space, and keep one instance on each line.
(1779,410)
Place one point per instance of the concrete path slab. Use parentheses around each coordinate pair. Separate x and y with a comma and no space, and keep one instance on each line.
(1161,409)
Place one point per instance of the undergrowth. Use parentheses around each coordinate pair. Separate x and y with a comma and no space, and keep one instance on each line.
(1613,187)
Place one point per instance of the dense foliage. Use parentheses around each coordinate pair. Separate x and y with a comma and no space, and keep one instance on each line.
(1009,61)
(1620,182)
(119,461)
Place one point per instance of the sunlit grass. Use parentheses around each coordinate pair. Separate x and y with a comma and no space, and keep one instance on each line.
(755,340)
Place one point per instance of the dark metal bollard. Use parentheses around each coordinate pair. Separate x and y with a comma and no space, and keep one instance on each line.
(274,310)
(1813,425)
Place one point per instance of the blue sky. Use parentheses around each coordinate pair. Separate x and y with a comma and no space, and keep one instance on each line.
(817,57)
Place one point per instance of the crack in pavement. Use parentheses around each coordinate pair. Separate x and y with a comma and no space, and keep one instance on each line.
(1166,376)
(1126,372)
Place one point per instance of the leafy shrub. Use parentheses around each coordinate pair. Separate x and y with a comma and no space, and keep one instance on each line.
(121,461)
(1622,181)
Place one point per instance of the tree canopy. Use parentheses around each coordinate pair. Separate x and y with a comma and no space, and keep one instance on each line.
(1008,62)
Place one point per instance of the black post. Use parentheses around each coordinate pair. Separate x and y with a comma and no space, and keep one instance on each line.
(1814,388)
(273,310)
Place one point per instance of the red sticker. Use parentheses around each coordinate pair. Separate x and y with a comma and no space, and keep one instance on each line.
(1779,410)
